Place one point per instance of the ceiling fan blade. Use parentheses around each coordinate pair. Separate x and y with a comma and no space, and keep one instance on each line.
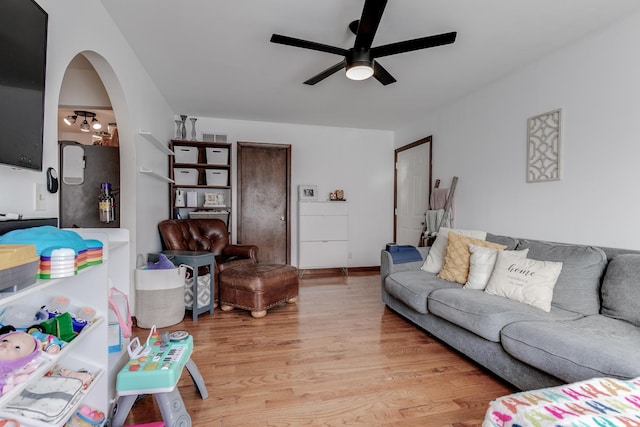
(305,44)
(326,73)
(382,75)
(369,21)
(415,44)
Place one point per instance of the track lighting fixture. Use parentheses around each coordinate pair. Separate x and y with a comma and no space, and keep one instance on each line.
(84,126)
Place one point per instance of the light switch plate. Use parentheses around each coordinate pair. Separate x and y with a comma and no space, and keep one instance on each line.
(40,197)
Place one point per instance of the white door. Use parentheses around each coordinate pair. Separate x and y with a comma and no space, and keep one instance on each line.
(413,182)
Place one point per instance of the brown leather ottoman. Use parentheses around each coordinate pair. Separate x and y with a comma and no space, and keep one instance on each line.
(257,287)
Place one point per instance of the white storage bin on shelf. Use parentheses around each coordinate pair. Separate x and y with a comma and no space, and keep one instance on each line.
(186,154)
(185,176)
(217,177)
(217,155)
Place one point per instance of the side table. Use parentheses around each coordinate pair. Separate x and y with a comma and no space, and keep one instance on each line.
(196,259)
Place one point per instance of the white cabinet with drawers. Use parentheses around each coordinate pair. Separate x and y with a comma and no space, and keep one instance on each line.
(323,235)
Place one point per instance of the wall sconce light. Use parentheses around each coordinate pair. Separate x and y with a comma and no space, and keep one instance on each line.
(84,126)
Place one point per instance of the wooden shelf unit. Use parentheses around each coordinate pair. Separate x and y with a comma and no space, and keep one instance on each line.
(209,159)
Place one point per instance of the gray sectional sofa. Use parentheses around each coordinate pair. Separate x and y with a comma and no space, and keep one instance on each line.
(592,329)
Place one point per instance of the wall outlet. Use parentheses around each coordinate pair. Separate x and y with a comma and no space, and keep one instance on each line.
(40,197)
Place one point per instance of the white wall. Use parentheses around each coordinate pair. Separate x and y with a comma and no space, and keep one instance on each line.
(482,139)
(82,87)
(356,160)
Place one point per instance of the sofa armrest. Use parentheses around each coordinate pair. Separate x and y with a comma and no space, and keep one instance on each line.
(241,251)
(387,266)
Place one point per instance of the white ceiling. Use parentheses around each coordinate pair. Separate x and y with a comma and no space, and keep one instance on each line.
(213,58)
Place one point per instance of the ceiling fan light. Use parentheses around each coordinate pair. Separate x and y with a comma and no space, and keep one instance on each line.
(359,72)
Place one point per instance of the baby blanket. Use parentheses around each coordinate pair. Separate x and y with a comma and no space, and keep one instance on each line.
(598,402)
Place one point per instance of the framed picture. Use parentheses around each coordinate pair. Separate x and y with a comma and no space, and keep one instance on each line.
(307,192)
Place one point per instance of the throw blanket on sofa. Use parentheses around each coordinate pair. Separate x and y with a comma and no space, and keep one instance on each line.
(403,253)
(599,402)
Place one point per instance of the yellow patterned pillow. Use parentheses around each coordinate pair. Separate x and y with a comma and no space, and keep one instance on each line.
(458,256)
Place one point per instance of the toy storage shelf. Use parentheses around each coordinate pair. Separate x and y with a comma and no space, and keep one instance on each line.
(89,350)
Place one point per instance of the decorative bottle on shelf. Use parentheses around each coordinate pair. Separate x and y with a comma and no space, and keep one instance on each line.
(178,129)
(106,203)
(184,126)
(193,128)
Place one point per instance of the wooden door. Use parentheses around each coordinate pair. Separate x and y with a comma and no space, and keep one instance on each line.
(263,188)
(413,188)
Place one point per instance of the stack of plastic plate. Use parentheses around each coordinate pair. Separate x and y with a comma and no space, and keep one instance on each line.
(57,262)
(94,252)
(81,258)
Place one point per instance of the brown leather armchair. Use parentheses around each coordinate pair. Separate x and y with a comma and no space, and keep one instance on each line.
(209,235)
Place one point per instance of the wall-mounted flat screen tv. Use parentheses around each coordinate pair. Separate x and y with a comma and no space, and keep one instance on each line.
(23,53)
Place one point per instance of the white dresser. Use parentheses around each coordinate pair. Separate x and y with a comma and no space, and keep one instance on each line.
(323,235)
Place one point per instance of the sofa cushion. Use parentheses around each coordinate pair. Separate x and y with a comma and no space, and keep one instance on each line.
(592,346)
(412,287)
(510,242)
(578,285)
(481,265)
(457,257)
(621,288)
(483,314)
(524,280)
(435,257)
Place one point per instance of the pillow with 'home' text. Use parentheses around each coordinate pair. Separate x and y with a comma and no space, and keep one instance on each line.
(524,280)
(481,265)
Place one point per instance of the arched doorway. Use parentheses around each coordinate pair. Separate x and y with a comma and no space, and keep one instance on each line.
(89,154)
(121,112)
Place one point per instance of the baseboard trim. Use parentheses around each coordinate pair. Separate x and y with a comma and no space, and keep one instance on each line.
(339,271)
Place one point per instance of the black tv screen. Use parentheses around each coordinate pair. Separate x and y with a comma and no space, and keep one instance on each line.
(23,52)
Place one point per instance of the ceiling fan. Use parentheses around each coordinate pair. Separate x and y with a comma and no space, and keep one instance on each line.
(359,61)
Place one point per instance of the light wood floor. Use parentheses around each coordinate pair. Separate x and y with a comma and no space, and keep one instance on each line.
(337,357)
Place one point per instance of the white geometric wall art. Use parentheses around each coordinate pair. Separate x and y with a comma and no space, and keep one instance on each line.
(543,146)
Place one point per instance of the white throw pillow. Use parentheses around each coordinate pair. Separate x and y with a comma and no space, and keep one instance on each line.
(524,280)
(435,257)
(481,265)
